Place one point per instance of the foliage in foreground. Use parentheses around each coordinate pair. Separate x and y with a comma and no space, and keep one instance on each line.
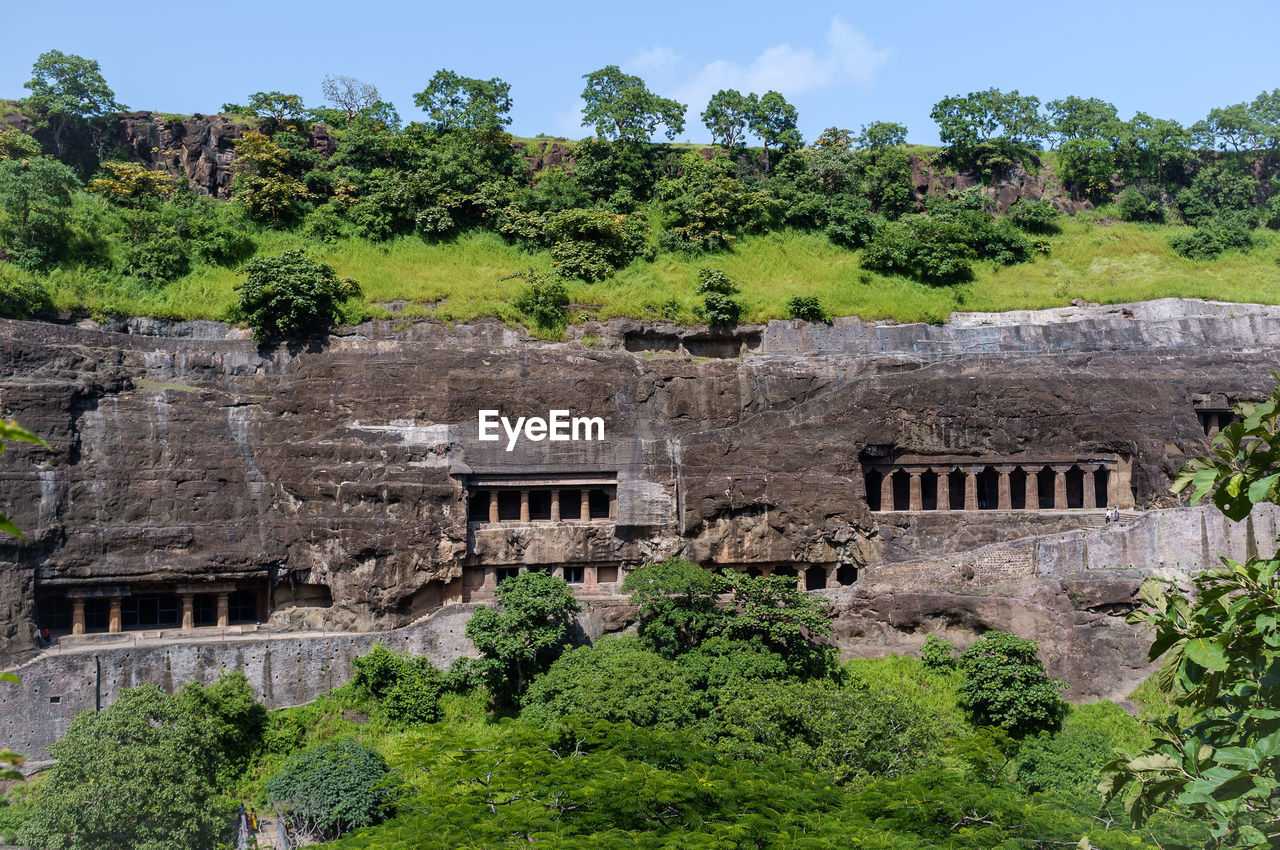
(330,789)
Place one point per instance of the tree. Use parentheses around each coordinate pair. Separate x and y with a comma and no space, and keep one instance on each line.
(35,195)
(1082,118)
(1221,648)
(331,788)
(407,688)
(138,774)
(834,138)
(727,115)
(1155,148)
(290,294)
(263,183)
(131,183)
(1087,165)
(277,106)
(1005,685)
(786,620)
(677,600)
(773,120)
(15,144)
(1005,120)
(1234,125)
(717,290)
(622,109)
(68,90)
(454,102)
(879,135)
(522,635)
(348,95)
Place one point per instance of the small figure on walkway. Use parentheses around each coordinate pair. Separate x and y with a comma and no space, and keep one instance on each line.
(253,820)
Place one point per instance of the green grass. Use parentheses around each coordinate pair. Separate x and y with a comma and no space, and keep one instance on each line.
(462,279)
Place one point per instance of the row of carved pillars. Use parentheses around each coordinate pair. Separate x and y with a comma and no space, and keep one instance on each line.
(115,617)
(1004,490)
(584,506)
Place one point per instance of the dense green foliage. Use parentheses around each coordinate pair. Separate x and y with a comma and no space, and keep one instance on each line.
(1221,650)
(631,217)
(291,294)
(1005,685)
(331,788)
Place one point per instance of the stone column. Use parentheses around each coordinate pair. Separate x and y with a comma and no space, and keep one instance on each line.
(886,491)
(915,501)
(1215,424)
(970,491)
(590,577)
(524,506)
(1090,493)
(224,610)
(1004,500)
(766,571)
(1060,488)
(613,504)
(944,490)
(115,621)
(490,578)
(77,616)
(584,506)
(555,505)
(1031,491)
(493,506)
(188,611)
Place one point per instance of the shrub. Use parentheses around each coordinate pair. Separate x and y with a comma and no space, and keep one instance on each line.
(1271,213)
(616,680)
(1034,216)
(331,788)
(930,250)
(852,734)
(289,294)
(677,603)
(593,244)
(157,259)
(544,301)
(938,655)
(1071,761)
(1141,203)
(1228,230)
(849,223)
(806,308)
(408,689)
(716,289)
(1087,164)
(22,297)
(1005,685)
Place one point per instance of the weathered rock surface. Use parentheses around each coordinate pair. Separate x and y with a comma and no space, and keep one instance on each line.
(337,468)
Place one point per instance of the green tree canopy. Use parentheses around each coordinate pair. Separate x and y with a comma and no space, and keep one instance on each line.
(331,788)
(1081,118)
(277,106)
(1007,120)
(525,632)
(35,197)
(454,102)
(774,120)
(622,109)
(678,602)
(67,89)
(136,776)
(1005,685)
(727,115)
(882,134)
(290,294)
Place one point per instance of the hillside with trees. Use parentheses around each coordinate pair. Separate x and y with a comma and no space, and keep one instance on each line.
(1027,204)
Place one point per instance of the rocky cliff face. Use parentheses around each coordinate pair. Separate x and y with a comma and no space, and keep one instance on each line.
(344,466)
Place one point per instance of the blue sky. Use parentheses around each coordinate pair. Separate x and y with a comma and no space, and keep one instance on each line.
(840,63)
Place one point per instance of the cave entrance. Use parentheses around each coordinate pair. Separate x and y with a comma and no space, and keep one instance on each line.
(815,578)
(1075,488)
(846,574)
(1018,489)
(929,491)
(1044,487)
(872,481)
(988,489)
(955,489)
(901,491)
(1101,483)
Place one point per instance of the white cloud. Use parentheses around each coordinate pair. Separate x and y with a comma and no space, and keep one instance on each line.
(846,57)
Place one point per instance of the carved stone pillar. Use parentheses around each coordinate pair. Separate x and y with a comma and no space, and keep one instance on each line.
(613,504)
(1215,424)
(886,491)
(970,491)
(1004,500)
(584,506)
(493,506)
(915,502)
(555,505)
(1090,492)
(590,577)
(944,490)
(224,610)
(188,611)
(766,571)
(115,620)
(524,506)
(1031,492)
(77,616)
(1060,488)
